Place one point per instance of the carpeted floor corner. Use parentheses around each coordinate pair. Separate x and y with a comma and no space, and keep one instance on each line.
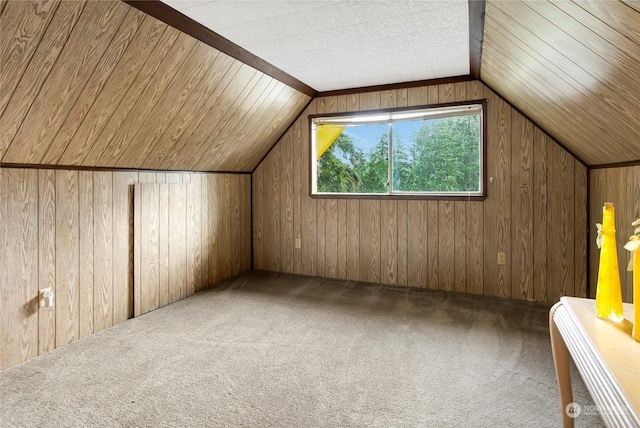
(276,350)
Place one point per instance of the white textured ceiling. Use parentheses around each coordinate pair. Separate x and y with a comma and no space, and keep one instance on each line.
(345,43)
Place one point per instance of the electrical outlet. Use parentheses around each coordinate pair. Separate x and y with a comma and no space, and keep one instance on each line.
(298,243)
(45,297)
(502,258)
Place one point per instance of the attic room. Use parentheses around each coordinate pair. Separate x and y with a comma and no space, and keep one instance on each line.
(319,213)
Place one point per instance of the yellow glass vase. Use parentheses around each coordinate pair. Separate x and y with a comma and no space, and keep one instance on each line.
(634,265)
(636,296)
(608,291)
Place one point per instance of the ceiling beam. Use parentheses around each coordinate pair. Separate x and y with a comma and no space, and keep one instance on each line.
(396,86)
(476,34)
(177,20)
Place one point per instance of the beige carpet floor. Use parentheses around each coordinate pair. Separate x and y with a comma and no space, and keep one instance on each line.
(272,350)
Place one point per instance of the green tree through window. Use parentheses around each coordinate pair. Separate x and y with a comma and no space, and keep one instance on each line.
(439,155)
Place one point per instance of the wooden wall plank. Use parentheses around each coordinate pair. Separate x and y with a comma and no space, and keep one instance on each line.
(148,236)
(331,238)
(234,231)
(86,242)
(446,249)
(137,250)
(475,248)
(205,248)
(300,175)
(33,78)
(215,209)
(581,229)
(164,224)
(67,258)
(258,217)
(433,245)
(245,222)
(540,223)
(618,194)
(417,246)
(596,196)
(47,257)
(370,241)
(353,239)
(321,256)
(460,246)
(271,208)
(225,234)
(123,183)
(19,315)
(341,236)
(403,242)
(103,250)
(194,229)
(522,207)
(178,242)
(286,204)
(389,242)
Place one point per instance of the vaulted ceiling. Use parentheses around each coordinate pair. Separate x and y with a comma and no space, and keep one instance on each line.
(573,67)
(102,84)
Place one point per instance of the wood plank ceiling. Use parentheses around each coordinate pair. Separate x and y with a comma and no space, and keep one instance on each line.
(101,84)
(574,68)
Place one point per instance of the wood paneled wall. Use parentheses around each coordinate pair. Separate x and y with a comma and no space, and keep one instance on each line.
(535,211)
(622,187)
(70,230)
(100,83)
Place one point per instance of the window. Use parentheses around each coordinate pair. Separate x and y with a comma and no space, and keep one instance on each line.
(427,151)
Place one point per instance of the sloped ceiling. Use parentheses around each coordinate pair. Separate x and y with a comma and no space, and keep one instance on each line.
(101,84)
(573,67)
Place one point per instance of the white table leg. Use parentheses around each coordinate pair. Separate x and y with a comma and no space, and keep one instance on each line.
(561,361)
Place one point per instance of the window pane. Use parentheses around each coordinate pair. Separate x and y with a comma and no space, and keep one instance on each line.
(356,161)
(437,155)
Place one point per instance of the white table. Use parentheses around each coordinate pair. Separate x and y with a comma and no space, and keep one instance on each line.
(606,356)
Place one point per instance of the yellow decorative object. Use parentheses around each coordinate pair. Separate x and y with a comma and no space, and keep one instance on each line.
(634,264)
(326,134)
(608,292)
